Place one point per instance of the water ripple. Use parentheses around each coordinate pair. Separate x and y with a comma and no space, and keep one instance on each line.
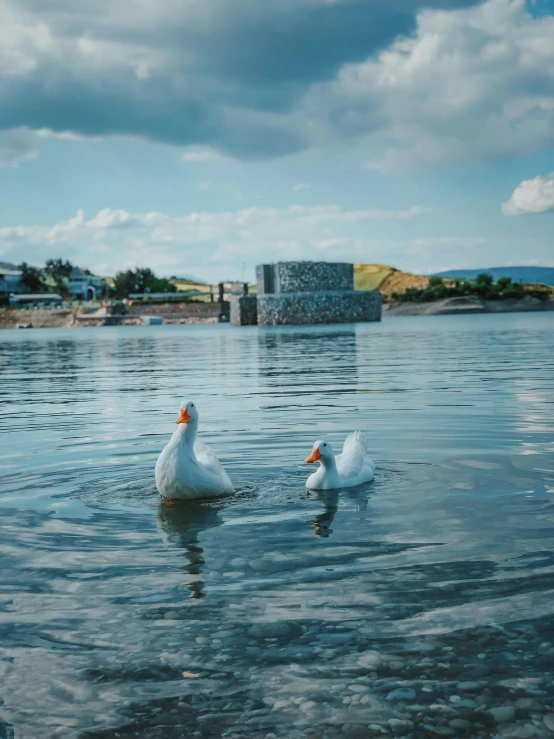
(423,598)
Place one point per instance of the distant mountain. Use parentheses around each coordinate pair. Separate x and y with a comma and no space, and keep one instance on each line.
(544,275)
(7,265)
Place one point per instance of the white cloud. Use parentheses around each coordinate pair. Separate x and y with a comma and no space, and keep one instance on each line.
(47,133)
(301,186)
(107,219)
(200,154)
(17,145)
(531,196)
(475,83)
(209,244)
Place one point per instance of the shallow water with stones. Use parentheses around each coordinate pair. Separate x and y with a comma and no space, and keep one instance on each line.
(418,605)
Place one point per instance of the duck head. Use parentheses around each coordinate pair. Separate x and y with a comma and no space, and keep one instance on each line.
(321,452)
(187,413)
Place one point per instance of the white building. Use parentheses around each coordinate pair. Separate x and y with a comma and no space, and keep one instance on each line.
(85,287)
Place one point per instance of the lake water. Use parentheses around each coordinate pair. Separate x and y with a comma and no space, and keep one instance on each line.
(420,604)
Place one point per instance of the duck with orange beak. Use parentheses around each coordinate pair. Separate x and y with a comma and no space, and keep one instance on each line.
(350,468)
(187,469)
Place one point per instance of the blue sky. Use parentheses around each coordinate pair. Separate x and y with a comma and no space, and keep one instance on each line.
(206,137)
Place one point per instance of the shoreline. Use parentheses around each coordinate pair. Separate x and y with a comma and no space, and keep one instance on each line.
(71,318)
(467,306)
(77,318)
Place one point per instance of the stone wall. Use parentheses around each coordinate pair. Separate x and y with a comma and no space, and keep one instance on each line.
(174,309)
(292,277)
(244,310)
(325,306)
(300,277)
(298,293)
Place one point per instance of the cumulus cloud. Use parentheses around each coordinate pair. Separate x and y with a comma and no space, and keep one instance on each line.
(301,186)
(106,219)
(207,73)
(209,244)
(531,196)
(473,83)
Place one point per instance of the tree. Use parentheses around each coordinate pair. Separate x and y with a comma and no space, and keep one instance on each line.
(132,282)
(503,282)
(161,285)
(484,286)
(142,280)
(436,282)
(31,277)
(484,279)
(58,269)
(59,272)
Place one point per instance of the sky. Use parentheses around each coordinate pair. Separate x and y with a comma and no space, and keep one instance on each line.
(203,137)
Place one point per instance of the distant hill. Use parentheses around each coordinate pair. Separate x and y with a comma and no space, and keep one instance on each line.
(544,275)
(387,280)
(188,279)
(370,276)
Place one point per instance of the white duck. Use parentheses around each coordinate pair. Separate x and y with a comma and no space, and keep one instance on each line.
(352,467)
(187,469)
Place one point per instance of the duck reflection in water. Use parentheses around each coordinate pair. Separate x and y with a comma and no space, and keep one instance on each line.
(180,525)
(330,501)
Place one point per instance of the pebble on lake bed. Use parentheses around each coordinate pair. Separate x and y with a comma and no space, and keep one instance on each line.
(400,727)
(549,721)
(402,694)
(503,714)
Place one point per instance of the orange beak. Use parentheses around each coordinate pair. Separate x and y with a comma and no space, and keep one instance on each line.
(183,416)
(314,456)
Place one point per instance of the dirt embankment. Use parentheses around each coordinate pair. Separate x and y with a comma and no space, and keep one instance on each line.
(386,279)
(40,318)
(452,306)
(72,318)
(399,282)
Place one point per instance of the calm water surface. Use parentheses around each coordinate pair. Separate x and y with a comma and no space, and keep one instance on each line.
(419,605)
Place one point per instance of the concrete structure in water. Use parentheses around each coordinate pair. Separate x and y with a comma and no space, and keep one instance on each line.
(296,293)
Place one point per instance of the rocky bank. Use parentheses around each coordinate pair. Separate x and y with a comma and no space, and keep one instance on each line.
(452,306)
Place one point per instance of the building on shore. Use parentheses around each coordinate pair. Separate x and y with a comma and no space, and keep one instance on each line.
(10,281)
(23,300)
(82,286)
(296,293)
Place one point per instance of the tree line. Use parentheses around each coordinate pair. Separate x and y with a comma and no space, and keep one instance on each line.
(54,276)
(483,286)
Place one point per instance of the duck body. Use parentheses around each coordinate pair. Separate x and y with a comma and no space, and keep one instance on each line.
(187,469)
(350,468)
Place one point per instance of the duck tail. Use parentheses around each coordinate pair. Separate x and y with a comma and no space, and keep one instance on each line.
(356,437)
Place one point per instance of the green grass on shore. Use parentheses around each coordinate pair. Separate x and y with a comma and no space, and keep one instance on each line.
(370,276)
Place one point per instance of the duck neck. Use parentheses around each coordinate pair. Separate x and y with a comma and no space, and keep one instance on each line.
(329,464)
(187,433)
